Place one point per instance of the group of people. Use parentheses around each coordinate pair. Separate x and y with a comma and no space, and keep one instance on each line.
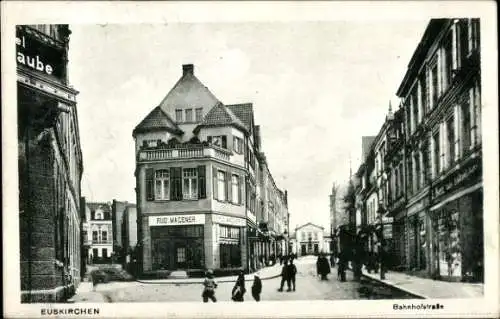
(238,291)
(288,275)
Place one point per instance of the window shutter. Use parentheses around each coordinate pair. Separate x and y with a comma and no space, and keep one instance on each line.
(229,186)
(202,192)
(215,183)
(150,184)
(224,141)
(176,183)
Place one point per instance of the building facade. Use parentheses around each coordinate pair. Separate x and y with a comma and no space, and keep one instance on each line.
(197,180)
(441,96)
(50,165)
(427,177)
(129,230)
(310,239)
(98,232)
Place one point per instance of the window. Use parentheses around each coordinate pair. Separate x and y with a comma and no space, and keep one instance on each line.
(425,164)
(190,186)
(236,189)
(309,235)
(238,145)
(220,140)
(162,184)
(178,115)
(315,236)
(448,63)
(104,236)
(414,105)
(424,93)
(198,114)
(417,171)
(451,140)
(410,175)
(221,185)
(104,253)
(434,83)
(94,236)
(303,236)
(408,120)
(401,179)
(437,154)
(463,39)
(189,115)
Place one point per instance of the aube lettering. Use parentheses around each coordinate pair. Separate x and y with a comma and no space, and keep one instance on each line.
(33,62)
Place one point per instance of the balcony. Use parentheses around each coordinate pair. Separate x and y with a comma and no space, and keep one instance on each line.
(185,152)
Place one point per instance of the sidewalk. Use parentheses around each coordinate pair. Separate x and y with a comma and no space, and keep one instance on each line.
(265,273)
(84,293)
(428,288)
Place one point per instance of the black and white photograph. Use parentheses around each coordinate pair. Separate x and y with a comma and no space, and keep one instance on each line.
(251,164)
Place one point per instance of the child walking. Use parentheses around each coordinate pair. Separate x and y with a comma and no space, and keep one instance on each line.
(209,287)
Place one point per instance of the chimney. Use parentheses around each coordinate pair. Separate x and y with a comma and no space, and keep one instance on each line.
(187,69)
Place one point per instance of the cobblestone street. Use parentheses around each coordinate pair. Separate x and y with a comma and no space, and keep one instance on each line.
(308,287)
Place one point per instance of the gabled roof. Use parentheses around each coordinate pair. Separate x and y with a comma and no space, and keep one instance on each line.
(157,119)
(244,112)
(311,225)
(220,115)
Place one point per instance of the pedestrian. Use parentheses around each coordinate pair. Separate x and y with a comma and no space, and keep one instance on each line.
(209,286)
(322,267)
(239,288)
(284,276)
(292,272)
(332,260)
(341,266)
(256,287)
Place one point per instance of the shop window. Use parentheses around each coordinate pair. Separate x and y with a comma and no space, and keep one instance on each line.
(198,114)
(230,255)
(178,115)
(190,185)
(162,184)
(181,254)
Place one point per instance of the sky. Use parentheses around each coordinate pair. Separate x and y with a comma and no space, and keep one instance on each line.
(316,88)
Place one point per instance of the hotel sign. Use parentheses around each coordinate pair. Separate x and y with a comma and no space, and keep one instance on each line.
(177,220)
(228,220)
(39,56)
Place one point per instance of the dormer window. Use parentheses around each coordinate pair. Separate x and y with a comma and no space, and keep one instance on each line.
(219,140)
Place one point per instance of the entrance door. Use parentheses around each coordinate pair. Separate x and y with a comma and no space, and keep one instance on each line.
(316,249)
(302,249)
(180,257)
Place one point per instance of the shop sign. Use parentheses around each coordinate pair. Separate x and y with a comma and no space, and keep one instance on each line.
(176,220)
(387,231)
(228,220)
(455,180)
(39,56)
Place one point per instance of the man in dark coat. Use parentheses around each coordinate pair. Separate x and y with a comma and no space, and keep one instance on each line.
(322,267)
(284,276)
(342,264)
(239,288)
(292,272)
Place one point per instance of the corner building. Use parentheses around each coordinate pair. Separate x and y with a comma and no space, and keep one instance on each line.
(50,165)
(196,182)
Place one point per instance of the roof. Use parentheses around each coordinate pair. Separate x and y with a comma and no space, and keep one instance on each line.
(311,225)
(104,206)
(157,119)
(220,115)
(244,112)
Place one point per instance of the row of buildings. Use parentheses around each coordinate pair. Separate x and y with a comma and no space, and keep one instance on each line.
(419,187)
(109,232)
(205,195)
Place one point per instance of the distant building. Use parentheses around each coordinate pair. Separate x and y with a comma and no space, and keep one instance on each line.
(310,239)
(118,208)
(129,228)
(98,232)
(50,165)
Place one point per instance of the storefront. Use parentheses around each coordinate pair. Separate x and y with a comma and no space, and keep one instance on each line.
(457,225)
(417,248)
(177,242)
(230,239)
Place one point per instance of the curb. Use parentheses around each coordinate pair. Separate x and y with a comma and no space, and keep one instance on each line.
(419,296)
